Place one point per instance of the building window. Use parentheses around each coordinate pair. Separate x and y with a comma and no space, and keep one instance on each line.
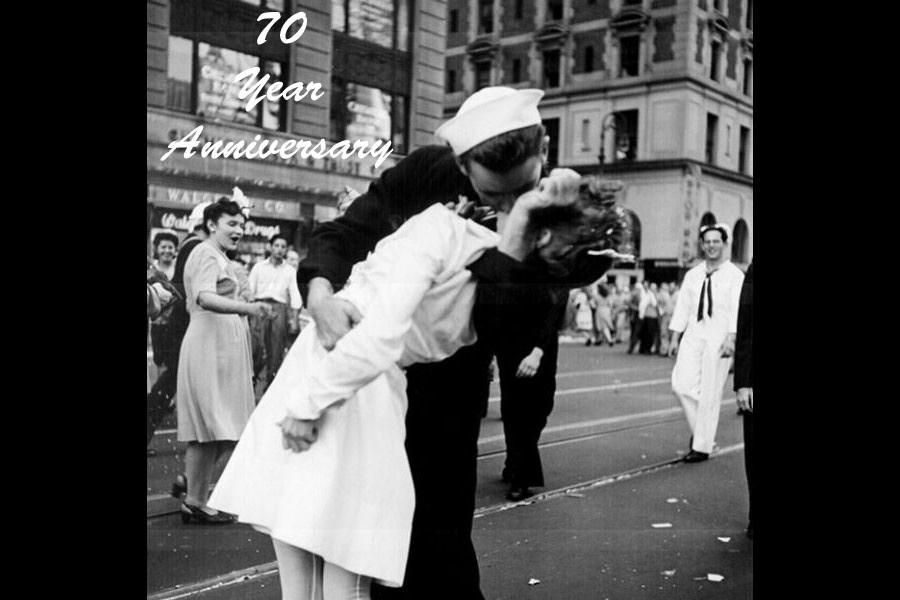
(749,20)
(712,133)
(744,150)
(626,135)
(748,76)
(454,21)
(555,10)
(551,68)
(482,74)
(714,53)
(739,242)
(552,126)
(451,81)
(276,5)
(717,4)
(367,113)
(632,242)
(180,75)
(516,70)
(632,2)
(201,80)
(629,55)
(727,140)
(589,59)
(518,10)
(585,135)
(383,22)
(485,16)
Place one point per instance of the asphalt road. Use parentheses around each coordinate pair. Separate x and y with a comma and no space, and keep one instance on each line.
(613,440)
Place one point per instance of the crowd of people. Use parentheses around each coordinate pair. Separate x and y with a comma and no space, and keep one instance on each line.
(359,460)
(638,315)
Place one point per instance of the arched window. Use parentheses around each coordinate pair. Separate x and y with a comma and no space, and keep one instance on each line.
(741,242)
(632,242)
(707,219)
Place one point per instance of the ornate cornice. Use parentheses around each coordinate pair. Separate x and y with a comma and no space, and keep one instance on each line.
(551,34)
(484,48)
(631,19)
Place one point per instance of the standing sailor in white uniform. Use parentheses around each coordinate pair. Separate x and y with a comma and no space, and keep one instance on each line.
(703,331)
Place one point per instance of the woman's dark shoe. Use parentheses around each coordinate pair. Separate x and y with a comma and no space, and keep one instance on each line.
(693,456)
(587,342)
(195,514)
(517,493)
(179,486)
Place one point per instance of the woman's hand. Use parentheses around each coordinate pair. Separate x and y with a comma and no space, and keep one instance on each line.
(298,434)
(560,188)
(261,310)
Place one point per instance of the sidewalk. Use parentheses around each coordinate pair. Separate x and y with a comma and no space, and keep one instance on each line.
(600,543)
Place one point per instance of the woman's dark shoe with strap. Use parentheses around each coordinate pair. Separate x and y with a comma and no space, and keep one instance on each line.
(179,487)
(517,493)
(195,514)
(693,456)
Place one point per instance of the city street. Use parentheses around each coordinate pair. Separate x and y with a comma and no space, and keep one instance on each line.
(620,517)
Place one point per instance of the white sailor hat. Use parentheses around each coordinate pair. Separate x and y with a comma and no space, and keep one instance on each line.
(196,216)
(489,112)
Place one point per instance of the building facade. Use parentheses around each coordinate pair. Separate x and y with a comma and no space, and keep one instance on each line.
(657,93)
(379,69)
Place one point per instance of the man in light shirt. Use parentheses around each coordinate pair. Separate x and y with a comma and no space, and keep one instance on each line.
(274,281)
(703,328)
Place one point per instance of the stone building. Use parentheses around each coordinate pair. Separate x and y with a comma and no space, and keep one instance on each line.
(379,64)
(658,93)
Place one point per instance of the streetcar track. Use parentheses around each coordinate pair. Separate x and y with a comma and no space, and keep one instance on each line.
(270,568)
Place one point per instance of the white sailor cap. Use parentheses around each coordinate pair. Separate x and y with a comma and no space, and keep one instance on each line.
(489,112)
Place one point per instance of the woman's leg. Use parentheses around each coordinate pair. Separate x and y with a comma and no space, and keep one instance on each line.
(199,461)
(340,584)
(223,455)
(299,571)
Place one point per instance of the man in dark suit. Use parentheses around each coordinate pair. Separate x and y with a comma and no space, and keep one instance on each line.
(743,379)
(497,151)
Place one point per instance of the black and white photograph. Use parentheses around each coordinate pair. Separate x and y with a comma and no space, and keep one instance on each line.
(450,300)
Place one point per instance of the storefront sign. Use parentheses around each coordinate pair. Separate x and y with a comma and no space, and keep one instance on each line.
(184,198)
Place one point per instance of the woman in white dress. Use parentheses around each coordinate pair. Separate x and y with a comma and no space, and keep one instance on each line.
(339,508)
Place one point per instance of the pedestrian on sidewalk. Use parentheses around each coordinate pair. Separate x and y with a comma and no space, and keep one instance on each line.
(703,331)
(274,282)
(346,504)
(648,313)
(633,306)
(214,392)
(584,315)
(743,380)
(602,315)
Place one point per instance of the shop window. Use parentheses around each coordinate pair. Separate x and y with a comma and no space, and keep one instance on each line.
(555,10)
(552,126)
(744,151)
(217,91)
(589,59)
(180,74)
(367,113)
(382,22)
(451,81)
(454,21)
(712,134)
(516,70)
(551,68)
(740,242)
(715,53)
(629,55)
(276,5)
(626,127)
(485,16)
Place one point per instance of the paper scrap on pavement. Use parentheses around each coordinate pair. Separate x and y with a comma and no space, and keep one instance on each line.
(724,539)
(661,525)
(669,573)
(533,581)
(672,500)
(574,494)
(714,577)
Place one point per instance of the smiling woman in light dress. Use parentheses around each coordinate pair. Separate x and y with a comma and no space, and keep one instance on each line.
(339,508)
(215,391)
